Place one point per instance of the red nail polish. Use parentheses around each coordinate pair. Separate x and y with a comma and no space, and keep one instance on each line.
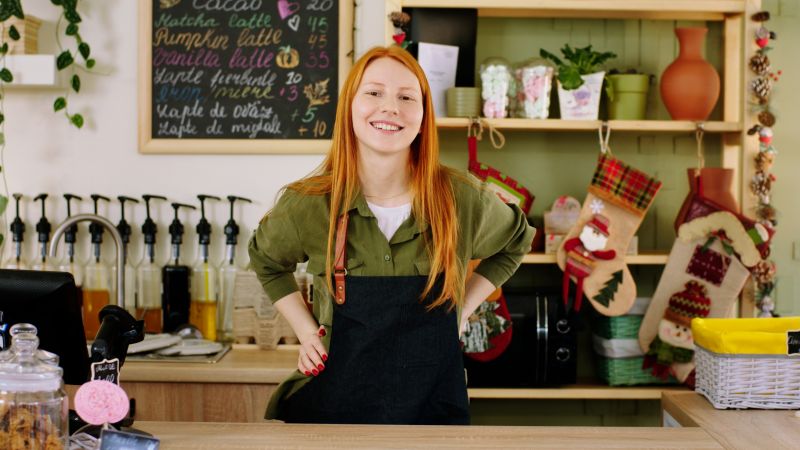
(325,358)
(315,372)
(321,367)
(308,374)
(322,332)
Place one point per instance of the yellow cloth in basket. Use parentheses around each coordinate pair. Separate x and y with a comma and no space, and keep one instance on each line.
(766,336)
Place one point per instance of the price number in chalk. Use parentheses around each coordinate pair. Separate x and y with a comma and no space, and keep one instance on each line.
(318,24)
(320,5)
(317,40)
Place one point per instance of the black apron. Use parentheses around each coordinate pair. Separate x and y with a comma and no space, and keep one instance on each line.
(390,360)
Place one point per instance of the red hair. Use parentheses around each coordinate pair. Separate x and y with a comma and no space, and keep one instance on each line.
(434,202)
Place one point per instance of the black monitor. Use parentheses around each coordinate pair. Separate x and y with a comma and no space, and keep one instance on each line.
(51,302)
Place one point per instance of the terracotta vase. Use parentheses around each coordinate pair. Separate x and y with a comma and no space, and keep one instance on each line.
(711,183)
(690,85)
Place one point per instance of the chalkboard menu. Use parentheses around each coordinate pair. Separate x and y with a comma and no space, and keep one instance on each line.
(241,76)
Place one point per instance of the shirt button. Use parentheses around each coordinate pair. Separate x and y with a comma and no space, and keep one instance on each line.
(387,258)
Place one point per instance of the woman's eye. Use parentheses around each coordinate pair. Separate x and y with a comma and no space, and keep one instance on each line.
(406,98)
(373,93)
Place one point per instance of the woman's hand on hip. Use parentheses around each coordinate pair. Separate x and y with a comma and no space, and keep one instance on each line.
(312,357)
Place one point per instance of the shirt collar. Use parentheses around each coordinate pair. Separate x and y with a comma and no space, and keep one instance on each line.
(405,232)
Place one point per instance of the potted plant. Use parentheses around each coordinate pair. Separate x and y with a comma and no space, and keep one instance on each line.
(627,94)
(580,80)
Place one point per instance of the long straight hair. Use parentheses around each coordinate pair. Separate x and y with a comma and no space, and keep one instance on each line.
(433,203)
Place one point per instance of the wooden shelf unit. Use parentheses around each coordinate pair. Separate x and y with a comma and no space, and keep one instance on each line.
(716,10)
(643,259)
(581,391)
(738,150)
(643,126)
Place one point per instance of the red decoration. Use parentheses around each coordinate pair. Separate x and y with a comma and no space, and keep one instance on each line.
(399,38)
(762,42)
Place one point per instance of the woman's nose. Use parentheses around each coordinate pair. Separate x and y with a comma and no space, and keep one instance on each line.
(390,105)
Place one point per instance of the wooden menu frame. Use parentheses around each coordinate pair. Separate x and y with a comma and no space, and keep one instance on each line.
(150,145)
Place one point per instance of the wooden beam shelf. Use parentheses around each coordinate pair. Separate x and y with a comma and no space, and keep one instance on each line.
(640,259)
(648,126)
(712,10)
(582,391)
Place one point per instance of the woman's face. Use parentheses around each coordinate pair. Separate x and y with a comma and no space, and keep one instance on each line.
(387,109)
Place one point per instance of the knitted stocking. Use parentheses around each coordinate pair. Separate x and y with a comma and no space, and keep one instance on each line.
(704,275)
(592,254)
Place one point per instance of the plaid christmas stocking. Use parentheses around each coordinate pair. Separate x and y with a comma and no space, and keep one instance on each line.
(704,275)
(592,254)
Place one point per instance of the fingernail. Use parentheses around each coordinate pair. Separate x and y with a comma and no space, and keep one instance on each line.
(320,367)
(322,332)
(325,358)
(315,372)
(308,374)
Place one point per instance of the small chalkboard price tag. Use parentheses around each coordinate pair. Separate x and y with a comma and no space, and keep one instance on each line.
(106,370)
(119,440)
(793,342)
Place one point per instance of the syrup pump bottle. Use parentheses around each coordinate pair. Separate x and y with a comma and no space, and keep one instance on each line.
(43,229)
(97,283)
(129,290)
(148,276)
(203,312)
(175,297)
(70,237)
(227,274)
(18,236)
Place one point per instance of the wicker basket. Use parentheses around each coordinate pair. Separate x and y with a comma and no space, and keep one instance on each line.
(627,372)
(620,327)
(747,363)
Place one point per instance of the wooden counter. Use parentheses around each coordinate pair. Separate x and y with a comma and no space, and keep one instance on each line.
(741,429)
(220,436)
(196,392)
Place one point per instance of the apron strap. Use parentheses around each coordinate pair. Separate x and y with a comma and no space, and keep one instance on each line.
(339,271)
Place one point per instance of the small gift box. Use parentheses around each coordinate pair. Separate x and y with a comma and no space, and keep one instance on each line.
(562,216)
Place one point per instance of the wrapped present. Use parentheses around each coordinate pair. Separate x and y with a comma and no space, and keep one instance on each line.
(562,216)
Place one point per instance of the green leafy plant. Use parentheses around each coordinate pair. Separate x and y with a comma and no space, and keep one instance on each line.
(78,58)
(579,61)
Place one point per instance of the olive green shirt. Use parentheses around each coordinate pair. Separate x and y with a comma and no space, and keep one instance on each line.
(296,230)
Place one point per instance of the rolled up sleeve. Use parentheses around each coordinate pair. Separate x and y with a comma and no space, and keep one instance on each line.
(275,250)
(502,238)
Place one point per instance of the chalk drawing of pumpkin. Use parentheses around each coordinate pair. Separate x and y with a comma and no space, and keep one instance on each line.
(288,58)
(166,4)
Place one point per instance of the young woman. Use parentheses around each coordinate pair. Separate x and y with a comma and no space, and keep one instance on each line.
(387,232)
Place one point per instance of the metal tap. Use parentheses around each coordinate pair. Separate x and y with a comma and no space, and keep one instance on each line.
(114,234)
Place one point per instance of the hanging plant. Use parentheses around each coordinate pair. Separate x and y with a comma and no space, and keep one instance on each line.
(67,59)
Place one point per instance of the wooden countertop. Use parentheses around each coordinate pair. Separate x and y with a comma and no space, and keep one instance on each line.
(182,435)
(745,429)
(243,364)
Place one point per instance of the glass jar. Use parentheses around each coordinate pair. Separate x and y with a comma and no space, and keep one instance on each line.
(33,403)
(534,81)
(496,87)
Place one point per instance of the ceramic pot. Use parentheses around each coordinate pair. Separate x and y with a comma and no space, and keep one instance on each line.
(629,100)
(712,183)
(690,85)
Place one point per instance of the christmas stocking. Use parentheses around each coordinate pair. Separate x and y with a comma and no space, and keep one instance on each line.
(592,254)
(488,332)
(705,273)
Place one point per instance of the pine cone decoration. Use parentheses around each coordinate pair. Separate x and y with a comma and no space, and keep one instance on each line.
(766,213)
(766,118)
(759,64)
(400,19)
(764,161)
(762,16)
(764,271)
(762,88)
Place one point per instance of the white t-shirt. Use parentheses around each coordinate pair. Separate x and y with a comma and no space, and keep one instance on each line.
(390,219)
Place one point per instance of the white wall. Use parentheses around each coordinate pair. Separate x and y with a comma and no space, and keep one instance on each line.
(45,154)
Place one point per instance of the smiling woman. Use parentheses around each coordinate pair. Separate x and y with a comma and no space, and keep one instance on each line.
(387,232)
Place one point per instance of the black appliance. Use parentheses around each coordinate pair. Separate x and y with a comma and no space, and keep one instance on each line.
(543,349)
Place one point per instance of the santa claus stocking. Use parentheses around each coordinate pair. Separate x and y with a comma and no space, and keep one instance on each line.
(592,254)
(704,275)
